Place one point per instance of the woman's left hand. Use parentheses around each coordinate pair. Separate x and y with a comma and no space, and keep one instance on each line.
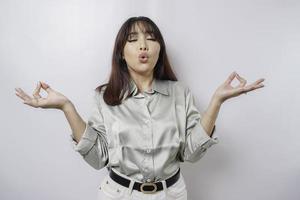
(226,91)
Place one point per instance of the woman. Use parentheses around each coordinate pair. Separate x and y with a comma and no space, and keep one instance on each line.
(144,122)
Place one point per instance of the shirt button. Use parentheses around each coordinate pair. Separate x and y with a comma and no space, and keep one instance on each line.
(148,180)
(148,150)
(147,121)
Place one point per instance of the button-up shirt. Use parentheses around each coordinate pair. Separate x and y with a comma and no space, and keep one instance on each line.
(148,135)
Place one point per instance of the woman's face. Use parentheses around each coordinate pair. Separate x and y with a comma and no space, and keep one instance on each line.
(141,52)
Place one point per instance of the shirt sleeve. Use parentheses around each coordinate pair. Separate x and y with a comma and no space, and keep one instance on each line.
(197,141)
(93,143)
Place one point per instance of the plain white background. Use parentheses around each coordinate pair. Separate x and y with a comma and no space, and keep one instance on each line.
(68,44)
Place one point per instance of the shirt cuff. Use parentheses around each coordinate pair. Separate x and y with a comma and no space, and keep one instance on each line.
(86,142)
(200,139)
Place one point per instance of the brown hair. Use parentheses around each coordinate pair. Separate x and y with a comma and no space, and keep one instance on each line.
(119,79)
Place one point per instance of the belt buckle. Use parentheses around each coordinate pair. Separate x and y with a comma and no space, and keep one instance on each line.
(148,184)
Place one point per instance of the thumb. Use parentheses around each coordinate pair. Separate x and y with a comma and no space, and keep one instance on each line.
(46,87)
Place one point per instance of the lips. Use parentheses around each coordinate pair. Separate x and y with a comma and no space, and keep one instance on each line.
(143,57)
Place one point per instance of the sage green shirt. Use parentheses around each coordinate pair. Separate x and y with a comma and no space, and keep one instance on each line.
(148,135)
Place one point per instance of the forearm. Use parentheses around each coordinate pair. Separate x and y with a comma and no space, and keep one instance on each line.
(75,121)
(210,115)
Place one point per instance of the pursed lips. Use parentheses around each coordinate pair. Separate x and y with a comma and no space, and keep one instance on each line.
(143,55)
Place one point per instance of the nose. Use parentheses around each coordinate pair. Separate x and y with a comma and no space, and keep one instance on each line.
(143,45)
(143,48)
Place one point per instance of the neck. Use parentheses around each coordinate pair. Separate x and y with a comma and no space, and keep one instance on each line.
(144,83)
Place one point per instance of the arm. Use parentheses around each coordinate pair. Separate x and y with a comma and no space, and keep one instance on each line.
(89,139)
(209,117)
(226,91)
(198,127)
(75,121)
(199,134)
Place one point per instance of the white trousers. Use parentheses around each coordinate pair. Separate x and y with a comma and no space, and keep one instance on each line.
(110,190)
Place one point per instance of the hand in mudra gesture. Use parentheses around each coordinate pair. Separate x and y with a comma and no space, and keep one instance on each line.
(53,100)
(226,91)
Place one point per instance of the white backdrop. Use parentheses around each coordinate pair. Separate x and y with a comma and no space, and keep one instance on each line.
(68,44)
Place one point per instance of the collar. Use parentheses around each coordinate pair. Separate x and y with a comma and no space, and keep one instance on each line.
(160,86)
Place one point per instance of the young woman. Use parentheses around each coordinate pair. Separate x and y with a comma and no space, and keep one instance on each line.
(144,122)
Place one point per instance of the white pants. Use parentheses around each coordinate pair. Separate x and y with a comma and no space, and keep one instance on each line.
(110,190)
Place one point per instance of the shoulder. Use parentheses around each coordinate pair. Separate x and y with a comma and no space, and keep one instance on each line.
(99,91)
(178,87)
(98,95)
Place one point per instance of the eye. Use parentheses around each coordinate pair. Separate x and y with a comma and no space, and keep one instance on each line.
(151,37)
(131,40)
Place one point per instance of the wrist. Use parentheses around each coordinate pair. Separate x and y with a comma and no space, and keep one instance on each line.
(216,101)
(68,105)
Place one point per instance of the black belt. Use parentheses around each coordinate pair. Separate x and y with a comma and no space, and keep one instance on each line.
(147,188)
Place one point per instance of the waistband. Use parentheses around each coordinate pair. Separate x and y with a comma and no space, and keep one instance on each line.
(145,187)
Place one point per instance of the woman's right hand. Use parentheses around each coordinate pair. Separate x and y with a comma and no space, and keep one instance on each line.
(53,100)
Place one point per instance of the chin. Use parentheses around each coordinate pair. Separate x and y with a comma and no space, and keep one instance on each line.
(144,67)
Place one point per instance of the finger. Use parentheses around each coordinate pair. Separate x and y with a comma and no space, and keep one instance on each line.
(260,80)
(29,101)
(256,87)
(46,87)
(253,87)
(20,96)
(230,78)
(257,82)
(26,98)
(37,91)
(18,90)
(259,86)
(23,95)
(242,80)
(18,93)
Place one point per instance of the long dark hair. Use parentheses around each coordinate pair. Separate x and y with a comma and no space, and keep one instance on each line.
(119,81)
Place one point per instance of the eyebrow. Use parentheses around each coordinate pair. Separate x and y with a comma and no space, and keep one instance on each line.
(132,33)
